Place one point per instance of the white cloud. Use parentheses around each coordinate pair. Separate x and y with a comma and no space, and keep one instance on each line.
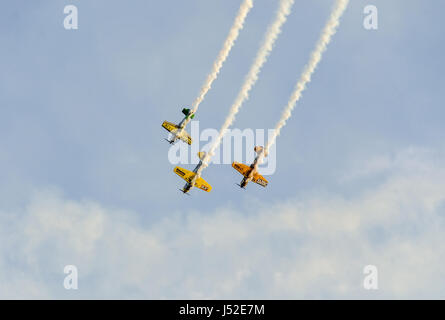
(311,248)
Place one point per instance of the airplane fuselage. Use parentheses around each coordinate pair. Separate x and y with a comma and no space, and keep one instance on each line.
(244,182)
(187,188)
(188,185)
(183,123)
(247,179)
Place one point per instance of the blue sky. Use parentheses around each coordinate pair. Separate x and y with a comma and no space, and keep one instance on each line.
(86,179)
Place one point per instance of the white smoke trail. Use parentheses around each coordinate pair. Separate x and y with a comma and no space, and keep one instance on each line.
(266,48)
(224,53)
(326,36)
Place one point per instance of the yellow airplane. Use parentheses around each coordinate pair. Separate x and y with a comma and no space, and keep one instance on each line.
(249,172)
(177,130)
(188,176)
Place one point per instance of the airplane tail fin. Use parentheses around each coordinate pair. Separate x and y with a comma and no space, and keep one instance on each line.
(187,112)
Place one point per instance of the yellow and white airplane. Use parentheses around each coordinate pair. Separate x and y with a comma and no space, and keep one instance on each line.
(188,176)
(177,130)
(249,172)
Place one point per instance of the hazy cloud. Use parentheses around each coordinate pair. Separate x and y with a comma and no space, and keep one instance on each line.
(311,248)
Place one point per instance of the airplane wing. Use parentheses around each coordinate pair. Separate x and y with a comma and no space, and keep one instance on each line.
(259,179)
(171,127)
(186,137)
(184,173)
(187,175)
(203,185)
(241,168)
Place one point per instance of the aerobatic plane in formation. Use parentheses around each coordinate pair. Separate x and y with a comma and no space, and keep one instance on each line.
(188,176)
(177,130)
(246,171)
